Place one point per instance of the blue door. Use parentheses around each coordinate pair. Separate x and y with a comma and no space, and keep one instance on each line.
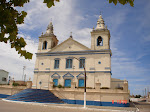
(55,82)
(81,82)
(67,83)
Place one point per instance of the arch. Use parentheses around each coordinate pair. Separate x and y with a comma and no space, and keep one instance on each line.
(99,41)
(44,45)
(81,75)
(55,76)
(68,76)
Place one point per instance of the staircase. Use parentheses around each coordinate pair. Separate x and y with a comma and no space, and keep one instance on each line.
(35,95)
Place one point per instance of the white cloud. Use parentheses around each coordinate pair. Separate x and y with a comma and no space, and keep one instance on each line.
(65,20)
(13,63)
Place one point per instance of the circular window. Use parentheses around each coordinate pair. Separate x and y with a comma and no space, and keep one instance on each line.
(99,62)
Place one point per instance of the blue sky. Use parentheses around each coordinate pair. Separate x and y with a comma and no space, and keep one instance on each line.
(129,28)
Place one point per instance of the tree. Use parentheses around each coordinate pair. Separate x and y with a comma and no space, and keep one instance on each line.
(10,17)
(123,2)
(138,96)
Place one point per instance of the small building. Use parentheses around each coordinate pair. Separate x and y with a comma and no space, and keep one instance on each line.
(3,76)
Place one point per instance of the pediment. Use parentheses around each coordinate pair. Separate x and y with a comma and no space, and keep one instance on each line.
(81,75)
(69,45)
(55,75)
(68,75)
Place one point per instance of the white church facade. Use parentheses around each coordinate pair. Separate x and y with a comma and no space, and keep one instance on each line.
(63,65)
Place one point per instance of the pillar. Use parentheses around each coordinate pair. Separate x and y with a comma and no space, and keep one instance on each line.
(98,85)
(125,86)
(29,84)
(73,85)
(51,84)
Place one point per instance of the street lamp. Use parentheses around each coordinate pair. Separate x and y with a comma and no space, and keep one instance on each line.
(84,82)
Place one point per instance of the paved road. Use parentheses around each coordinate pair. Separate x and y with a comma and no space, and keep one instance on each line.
(26,107)
(17,107)
(143,106)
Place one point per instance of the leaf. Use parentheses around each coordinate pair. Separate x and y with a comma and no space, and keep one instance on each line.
(123,2)
(22,43)
(9,18)
(115,2)
(131,2)
(50,3)
(110,1)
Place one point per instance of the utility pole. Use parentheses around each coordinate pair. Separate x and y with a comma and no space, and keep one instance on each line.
(24,67)
(24,77)
(84,82)
(145,92)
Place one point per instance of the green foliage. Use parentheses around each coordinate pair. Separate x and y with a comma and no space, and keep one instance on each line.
(84,87)
(50,3)
(59,86)
(15,84)
(22,84)
(54,86)
(119,88)
(104,88)
(137,96)
(123,2)
(9,18)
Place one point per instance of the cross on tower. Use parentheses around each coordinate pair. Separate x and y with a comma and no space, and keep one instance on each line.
(100,12)
(71,34)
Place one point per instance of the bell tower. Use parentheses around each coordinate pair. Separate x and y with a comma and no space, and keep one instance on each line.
(100,36)
(48,40)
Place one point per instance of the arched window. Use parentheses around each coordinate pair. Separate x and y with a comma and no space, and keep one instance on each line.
(44,45)
(99,41)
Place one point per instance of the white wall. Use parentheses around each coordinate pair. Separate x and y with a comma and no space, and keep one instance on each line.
(3,74)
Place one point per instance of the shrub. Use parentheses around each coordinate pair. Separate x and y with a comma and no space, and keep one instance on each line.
(22,84)
(59,86)
(15,84)
(86,87)
(137,96)
(67,87)
(54,86)
(104,88)
(119,88)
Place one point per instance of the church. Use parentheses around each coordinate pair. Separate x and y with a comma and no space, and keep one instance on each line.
(62,67)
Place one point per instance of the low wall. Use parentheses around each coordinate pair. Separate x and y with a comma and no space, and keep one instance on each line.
(10,91)
(103,97)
